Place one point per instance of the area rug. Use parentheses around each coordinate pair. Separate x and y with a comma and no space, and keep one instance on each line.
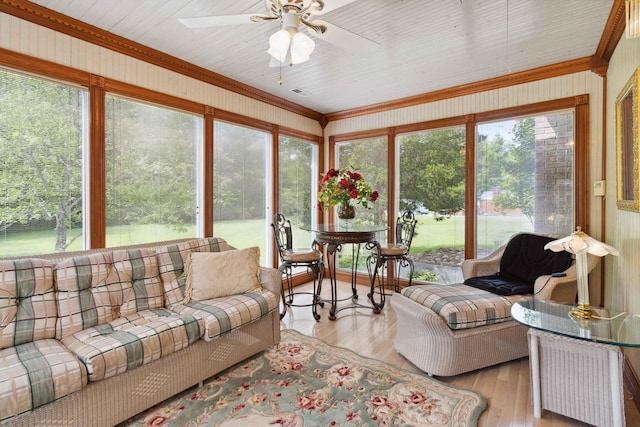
(306,382)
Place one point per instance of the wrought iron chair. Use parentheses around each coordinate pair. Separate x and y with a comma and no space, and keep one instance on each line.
(397,253)
(291,258)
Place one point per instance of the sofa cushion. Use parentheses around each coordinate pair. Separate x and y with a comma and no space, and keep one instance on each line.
(496,284)
(37,373)
(463,306)
(219,274)
(222,315)
(171,263)
(130,341)
(98,288)
(27,301)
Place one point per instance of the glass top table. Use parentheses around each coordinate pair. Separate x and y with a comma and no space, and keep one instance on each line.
(612,327)
(335,235)
(345,232)
(593,343)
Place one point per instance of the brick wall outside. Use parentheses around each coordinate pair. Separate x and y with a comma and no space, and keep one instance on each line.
(554,174)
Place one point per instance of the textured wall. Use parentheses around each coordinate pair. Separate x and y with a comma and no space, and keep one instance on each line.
(623,227)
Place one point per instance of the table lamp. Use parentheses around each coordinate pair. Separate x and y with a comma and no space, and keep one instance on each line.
(580,244)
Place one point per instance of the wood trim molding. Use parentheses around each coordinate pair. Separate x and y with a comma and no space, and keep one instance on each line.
(581,184)
(372,133)
(141,94)
(613,30)
(97,165)
(207,185)
(241,120)
(48,18)
(540,73)
(470,191)
(293,133)
(28,64)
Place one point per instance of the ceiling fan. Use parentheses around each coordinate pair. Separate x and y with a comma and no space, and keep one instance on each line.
(290,45)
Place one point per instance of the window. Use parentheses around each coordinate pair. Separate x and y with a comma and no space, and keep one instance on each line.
(43,129)
(432,186)
(525,175)
(242,187)
(368,157)
(298,182)
(151,179)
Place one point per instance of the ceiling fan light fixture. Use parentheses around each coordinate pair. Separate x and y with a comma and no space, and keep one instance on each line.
(290,45)
(279,43)
(302,45)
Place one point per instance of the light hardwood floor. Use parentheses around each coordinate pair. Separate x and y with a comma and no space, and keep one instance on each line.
(506,387)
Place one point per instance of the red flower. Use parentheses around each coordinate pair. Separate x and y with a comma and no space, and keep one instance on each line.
(342,186)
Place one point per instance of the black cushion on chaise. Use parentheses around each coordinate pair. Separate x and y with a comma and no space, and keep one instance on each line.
(523,261)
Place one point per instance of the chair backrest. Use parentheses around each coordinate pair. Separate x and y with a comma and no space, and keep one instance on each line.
(405,227)
(282,233)
(525,258)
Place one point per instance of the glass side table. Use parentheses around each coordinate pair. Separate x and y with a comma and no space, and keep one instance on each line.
(576,365)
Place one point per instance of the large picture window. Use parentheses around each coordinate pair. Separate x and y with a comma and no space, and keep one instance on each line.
(432,185)
(369,157)
(151,159)
(297,185)
(242,187)
(524,178)
(43,129)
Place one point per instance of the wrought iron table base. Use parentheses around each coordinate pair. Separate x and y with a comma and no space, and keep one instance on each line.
(332,250)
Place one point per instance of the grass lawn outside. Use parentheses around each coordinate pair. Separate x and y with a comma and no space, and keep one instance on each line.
(430,235)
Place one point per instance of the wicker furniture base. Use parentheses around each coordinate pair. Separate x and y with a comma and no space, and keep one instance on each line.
(426,340)
(113,400)
(576,378)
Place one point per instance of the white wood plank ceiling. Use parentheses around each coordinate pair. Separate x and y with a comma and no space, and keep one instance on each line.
(423,45)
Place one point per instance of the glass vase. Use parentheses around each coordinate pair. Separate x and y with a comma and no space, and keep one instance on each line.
(346,211)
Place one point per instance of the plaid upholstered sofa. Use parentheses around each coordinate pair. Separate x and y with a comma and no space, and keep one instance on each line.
(95,337)
(447,330)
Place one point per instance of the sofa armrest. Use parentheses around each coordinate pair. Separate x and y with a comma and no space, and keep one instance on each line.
(483,266)
(562,289)
(271,279)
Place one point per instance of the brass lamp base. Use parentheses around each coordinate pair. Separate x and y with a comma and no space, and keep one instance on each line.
(582,312)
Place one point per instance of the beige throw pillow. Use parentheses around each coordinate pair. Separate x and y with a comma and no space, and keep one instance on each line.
(218,274)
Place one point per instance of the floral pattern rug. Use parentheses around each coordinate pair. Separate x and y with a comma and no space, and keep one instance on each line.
(305,381)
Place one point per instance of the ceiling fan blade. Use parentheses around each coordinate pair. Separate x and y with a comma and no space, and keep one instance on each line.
(217,21)
(330,5)
(346,40)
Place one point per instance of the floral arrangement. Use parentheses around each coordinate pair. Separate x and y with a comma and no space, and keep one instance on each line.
(342,186)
